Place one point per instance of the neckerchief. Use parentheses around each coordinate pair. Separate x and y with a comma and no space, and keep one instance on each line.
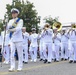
(13,26)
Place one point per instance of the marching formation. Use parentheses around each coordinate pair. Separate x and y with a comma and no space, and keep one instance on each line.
(55,44)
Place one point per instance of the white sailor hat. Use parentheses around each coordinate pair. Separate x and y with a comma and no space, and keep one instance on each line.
(14,10)
(23,27)
(63,28)
(33,29)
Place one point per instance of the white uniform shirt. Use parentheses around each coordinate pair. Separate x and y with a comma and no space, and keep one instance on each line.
(34,38)
(25,38)
(41,39)
(64,38)
(17,35)
(47,35)
(7,38)
(72,36)
(57,40)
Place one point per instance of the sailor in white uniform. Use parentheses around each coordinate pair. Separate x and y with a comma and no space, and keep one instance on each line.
(34,45)
(72,49)
(57,42)
(25,45)
(15,28)
(41,45)
(64,45)
(47,48)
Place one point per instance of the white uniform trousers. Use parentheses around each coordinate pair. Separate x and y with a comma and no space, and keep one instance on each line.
(41,51)
(72,51)
(53,51)
(47,47)
(64,50)
(25,52)
(6,53)
(17,45)
(57,48)
(33,52)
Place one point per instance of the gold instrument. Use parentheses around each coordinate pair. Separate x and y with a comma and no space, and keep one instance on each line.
(73,25)
(56,28)
(46,26)
(57,25)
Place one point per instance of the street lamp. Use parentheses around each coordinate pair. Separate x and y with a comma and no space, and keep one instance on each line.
(13,3)
(6,19)
(39,18)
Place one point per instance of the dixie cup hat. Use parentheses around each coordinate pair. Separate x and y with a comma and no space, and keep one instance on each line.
(14,10)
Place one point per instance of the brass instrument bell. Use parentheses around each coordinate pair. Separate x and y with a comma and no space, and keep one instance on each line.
(57,25)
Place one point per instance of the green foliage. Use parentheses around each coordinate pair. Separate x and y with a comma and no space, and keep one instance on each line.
(27,13)
(1,26)
(50,20)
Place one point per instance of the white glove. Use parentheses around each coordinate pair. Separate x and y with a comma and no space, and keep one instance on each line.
(12,30)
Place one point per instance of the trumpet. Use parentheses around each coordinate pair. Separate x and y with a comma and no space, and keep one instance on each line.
(47,26)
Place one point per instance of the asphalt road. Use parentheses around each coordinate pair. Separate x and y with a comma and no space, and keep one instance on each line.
(39,68)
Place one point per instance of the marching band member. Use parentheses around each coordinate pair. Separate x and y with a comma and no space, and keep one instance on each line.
(41,46)
(53,51)
(25,45)
(64,45)
(47,35)
(6,51)
(57,41)
(72,39)
(33,45)
(14,27)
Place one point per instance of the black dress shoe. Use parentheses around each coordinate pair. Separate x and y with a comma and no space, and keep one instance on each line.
(66,59)
(41,59)
(62,59)
(49,62)
(25,62)
(45,60)
(54,60)
(70,61)
(57,60)
(74,61)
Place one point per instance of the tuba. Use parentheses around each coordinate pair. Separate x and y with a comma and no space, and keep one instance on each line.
(57,25)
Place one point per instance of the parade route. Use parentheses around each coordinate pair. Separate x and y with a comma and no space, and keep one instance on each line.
(38,68)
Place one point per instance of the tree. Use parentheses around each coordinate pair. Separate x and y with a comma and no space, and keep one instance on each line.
(50,20)
(27,13)
(1,25)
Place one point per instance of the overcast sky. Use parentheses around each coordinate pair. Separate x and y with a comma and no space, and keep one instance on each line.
(65,9)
